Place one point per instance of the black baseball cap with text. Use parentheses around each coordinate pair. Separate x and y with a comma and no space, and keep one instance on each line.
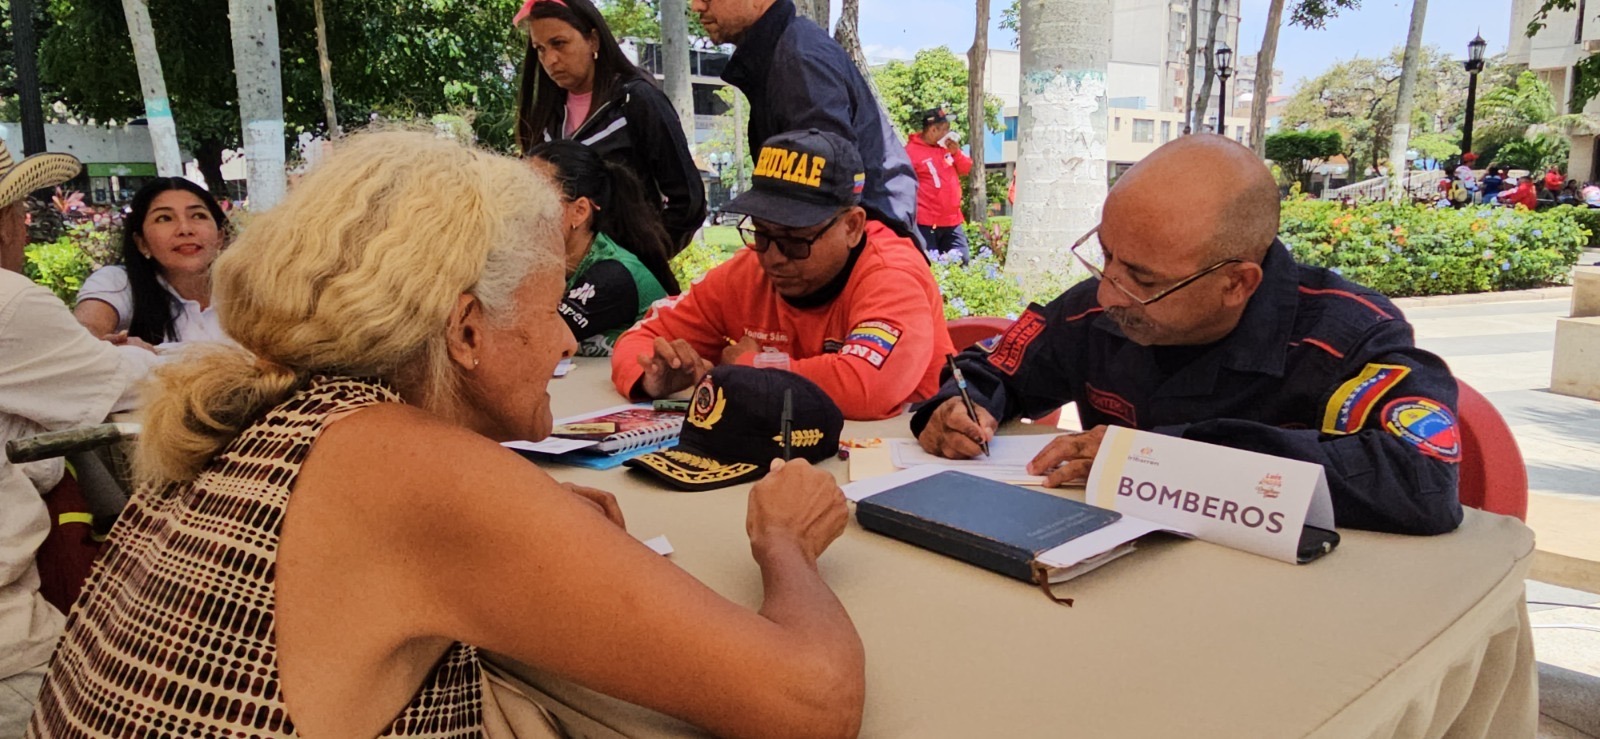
(735,429)
(802,178)
(934,115)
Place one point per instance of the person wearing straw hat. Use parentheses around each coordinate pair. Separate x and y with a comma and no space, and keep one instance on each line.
(53,376)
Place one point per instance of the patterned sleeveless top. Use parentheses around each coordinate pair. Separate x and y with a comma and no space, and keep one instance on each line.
(174,635)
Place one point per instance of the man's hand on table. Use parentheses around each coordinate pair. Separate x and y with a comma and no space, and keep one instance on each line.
(1068,457)
(796,503)
(604,502)
(951,434)
(673,366)
(744,346)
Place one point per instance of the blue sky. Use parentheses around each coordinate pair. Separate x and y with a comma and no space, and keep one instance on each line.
(898,29)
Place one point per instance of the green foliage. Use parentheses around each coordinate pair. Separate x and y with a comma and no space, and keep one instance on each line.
(632,19)
(729,136)
(1314,14)
(403,60)
(994,235)
(1535,154)
(934,77)
(1589,218)
(977,288)
(695,260)
(1435,146)
(1357,99)
(1405,250)
(61,265)
(1292,149)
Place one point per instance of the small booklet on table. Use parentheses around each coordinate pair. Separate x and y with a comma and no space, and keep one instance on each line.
(606,438)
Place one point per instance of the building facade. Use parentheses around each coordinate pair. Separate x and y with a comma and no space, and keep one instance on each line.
(1567,38)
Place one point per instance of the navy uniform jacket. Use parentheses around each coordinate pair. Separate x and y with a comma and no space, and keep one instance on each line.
(796,78)
(1319,369)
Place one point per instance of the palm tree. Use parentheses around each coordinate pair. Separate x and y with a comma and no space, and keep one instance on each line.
(260,79)
(325,65)
(1203,100)
(675,63)
(1400,137)
(153,85)
(1061,174)
(1263,89)
(975,112)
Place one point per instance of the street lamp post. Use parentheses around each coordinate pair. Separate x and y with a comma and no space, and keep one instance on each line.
(1474,65)
(1224,57)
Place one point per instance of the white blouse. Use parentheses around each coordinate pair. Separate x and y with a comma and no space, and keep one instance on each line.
(110,286)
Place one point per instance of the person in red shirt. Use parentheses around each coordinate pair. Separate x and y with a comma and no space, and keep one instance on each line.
(851,303)
(940,165)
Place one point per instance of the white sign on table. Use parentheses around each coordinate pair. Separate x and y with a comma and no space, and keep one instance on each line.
(1248,501)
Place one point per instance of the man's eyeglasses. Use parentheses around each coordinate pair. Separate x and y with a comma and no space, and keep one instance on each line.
(791,247)
(1098,270)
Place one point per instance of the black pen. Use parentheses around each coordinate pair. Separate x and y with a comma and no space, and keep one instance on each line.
(972,410)
(788,424)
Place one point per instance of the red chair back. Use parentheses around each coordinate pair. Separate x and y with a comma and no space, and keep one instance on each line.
(1493,476)
(965,332)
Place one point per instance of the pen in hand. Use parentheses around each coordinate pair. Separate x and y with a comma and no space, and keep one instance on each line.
(972,409)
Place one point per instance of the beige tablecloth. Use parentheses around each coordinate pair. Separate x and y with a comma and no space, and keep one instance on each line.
(1389,636)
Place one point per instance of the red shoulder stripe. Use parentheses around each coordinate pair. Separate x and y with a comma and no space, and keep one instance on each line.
(1347,294)
(1090,312)
(1320,345)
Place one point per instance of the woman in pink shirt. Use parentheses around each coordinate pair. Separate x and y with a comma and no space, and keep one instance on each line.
(577,84)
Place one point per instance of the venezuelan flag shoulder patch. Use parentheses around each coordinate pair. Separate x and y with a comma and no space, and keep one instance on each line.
(1353,402)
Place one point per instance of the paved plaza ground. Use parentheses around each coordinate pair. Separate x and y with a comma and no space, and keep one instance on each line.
(1503,345)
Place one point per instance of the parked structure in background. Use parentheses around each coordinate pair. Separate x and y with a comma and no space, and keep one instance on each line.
(1567,39)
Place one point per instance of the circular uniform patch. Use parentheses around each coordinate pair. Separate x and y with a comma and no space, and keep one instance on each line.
(1425,424)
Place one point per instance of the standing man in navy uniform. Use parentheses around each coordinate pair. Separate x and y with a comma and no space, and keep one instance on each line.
(798,78)
(1200,324)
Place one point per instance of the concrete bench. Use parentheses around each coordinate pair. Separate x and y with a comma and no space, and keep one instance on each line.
(1585,292)
(1576,369)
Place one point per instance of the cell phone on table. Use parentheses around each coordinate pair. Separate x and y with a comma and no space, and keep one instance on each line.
(1315,542)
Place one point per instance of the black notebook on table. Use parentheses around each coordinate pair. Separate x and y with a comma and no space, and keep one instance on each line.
(996,526)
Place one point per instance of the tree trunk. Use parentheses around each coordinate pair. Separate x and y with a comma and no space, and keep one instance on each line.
(326,65)
(1400,136)
(675,63)
(1264,61)
(260,79)
(1061,168)
(1203,100)
(976,56)
(25,48)
(848,33)
(208,158)
(157,109)
(1188,84)
(816,10)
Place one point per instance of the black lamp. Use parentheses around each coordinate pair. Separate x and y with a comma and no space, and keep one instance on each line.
(1224,58)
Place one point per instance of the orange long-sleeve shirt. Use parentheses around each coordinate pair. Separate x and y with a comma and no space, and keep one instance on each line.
(877,346)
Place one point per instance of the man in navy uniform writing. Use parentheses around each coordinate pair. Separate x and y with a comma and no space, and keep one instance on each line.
(798,78)
(1199,323)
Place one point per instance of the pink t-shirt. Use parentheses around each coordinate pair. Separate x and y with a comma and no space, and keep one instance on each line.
(577,110)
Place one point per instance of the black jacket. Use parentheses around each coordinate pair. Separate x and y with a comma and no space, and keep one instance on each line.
(796,78)
(1319,369)
(638,128)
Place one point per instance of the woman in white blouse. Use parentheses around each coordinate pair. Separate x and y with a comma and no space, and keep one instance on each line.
(161,292)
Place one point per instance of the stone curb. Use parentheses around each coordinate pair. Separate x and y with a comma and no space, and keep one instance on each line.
(1510,296)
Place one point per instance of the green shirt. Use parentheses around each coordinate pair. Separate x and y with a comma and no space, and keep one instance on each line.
(608,293)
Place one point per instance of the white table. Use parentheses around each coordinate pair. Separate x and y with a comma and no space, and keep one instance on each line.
(1389,636)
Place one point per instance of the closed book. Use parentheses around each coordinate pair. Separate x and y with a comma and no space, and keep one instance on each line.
(623,428)
(999,527)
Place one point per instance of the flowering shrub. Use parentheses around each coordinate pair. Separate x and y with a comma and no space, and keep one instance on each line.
(994,234)
(1406,250)
(83,243)
(697,259)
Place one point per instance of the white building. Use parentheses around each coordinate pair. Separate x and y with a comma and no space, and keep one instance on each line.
(1566,39)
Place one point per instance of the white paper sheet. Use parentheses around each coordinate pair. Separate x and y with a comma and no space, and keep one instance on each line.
(660,545)
(552,445)
(1007,460)
(855,491)
(563,367)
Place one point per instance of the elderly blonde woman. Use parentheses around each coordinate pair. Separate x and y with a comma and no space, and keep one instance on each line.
(329,531)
